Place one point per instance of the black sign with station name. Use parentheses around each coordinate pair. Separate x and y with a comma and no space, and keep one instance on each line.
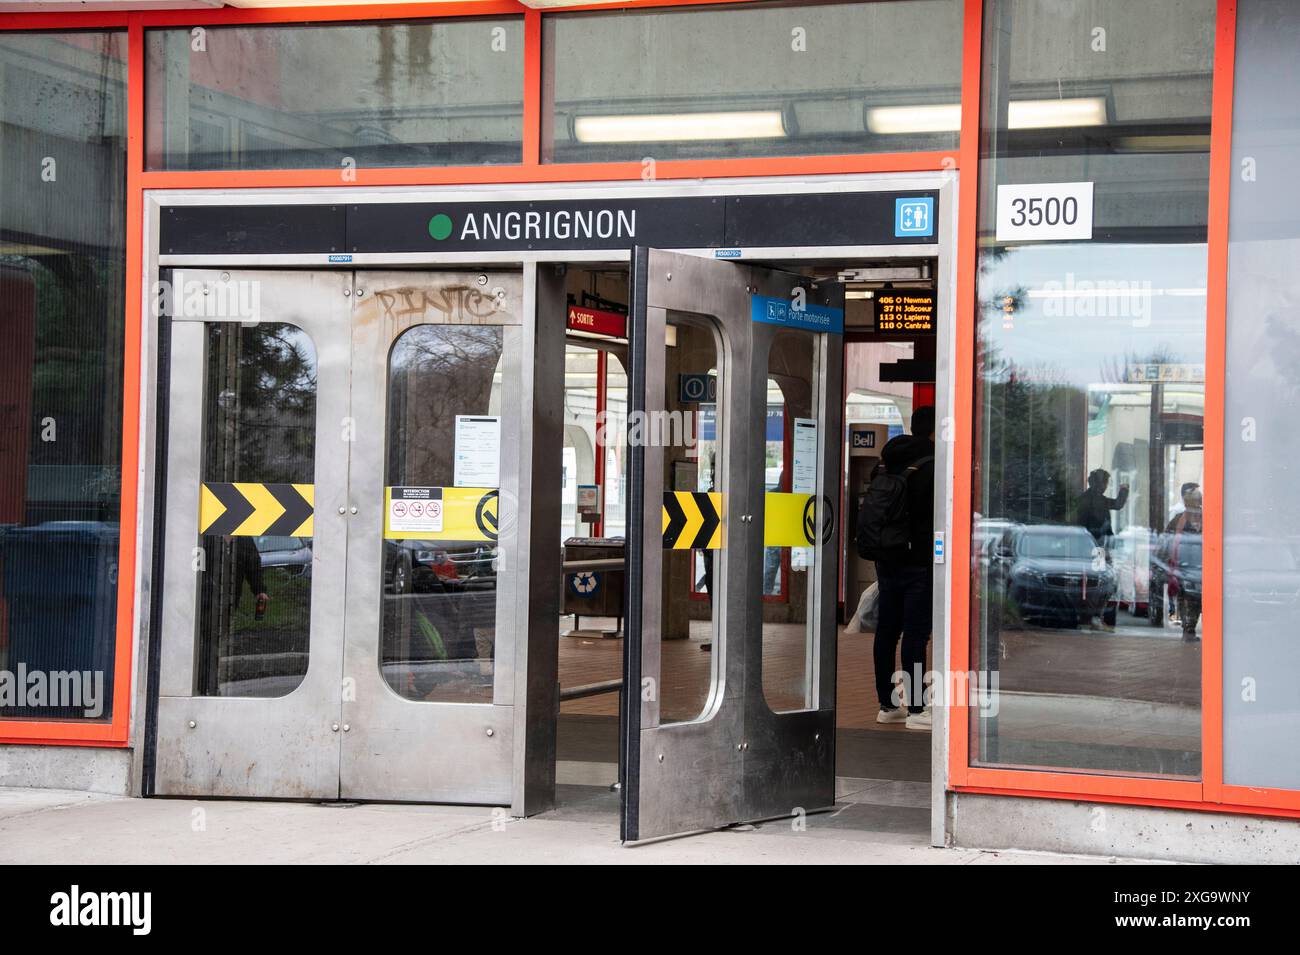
(728,224)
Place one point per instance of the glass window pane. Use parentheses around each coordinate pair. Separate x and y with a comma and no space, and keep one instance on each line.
(62,261)
(579,461)
(615,446)
(1090,381)
(259,428)
(752,80)
(691,575)
(1261,514)
(427,93)
(794,447)
(440,590)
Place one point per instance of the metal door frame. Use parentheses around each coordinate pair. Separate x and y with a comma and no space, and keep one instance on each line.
(533,788)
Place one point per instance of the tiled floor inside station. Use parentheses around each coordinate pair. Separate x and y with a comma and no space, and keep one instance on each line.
(1089,698)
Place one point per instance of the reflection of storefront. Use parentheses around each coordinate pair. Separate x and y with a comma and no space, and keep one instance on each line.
(1085,403)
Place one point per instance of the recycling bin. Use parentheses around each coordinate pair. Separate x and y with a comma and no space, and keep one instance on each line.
(594,593)
(60,598)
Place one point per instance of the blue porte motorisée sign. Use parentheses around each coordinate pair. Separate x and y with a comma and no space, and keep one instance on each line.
(781,311)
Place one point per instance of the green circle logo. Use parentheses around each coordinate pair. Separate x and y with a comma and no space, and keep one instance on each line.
(440,226)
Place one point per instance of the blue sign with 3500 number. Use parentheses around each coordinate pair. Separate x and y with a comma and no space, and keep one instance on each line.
(782,311)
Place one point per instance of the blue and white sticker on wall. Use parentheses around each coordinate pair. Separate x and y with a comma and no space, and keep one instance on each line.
(914,217)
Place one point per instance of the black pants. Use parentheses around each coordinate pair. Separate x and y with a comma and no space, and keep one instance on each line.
(904,611)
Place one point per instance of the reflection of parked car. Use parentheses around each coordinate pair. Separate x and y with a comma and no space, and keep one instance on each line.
(1175,568)
(422,566)
(1051,572)
(289,554)
(1131,551)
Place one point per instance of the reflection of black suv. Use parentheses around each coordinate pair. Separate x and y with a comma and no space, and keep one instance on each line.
(1053,573)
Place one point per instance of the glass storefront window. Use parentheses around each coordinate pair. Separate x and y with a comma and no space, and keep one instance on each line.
(752,80)
(1090,390)
(62,261)
(342,96)
(1261,513)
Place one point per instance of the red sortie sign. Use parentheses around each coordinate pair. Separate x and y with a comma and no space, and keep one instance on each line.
(597,321)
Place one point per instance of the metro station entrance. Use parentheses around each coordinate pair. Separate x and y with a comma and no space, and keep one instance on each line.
(382,489)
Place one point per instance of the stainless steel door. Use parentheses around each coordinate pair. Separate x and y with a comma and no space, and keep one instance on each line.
(719,509)
(251,640)
(434,545)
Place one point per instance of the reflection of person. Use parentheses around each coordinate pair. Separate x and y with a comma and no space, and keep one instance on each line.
(905,584)
(248,566)
(1185,561)
(1181,506)
(1095,506)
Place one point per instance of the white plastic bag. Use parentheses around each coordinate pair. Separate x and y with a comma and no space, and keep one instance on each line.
(864,618)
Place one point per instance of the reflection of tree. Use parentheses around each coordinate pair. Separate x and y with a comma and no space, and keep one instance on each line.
(1024,415)
(437,372)
(261,400)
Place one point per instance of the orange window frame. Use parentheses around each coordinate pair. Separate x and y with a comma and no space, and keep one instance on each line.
(1208,794)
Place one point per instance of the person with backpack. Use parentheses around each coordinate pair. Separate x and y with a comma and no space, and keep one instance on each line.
(896,530)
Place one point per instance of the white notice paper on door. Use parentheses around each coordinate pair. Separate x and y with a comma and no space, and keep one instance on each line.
(478,451)
(804,479)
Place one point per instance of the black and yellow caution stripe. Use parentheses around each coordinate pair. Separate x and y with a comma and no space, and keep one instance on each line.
(249,509)
(692,520)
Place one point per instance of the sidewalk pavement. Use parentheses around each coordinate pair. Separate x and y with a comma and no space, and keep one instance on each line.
(73,828)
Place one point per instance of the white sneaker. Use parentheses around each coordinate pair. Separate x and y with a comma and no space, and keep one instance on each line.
(920,721)
(897,715)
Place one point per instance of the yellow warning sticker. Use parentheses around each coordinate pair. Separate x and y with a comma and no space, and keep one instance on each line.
(795,520)
(442,513)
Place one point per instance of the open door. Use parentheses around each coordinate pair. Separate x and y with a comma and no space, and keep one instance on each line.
(735,437)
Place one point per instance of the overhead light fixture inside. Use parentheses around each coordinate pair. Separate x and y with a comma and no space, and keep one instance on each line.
(679,127)
(1021,114)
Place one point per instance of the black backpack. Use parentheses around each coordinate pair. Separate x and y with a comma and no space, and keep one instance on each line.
(884,528)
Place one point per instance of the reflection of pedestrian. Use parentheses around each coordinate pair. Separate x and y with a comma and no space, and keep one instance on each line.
(1184,558)
(1095,506)
(1094,516)
(248,566)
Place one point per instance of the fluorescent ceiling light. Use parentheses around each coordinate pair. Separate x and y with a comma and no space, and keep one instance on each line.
(1054,113)
(679,127)
(890,120)
(1021,114)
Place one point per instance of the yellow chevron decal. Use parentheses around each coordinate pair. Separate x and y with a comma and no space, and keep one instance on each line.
(251,509)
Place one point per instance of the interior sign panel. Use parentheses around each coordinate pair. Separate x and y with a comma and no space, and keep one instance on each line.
(792,314)
(1044,211)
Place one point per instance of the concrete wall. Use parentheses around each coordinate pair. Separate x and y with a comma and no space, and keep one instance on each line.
(93,769)
(1177,835)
